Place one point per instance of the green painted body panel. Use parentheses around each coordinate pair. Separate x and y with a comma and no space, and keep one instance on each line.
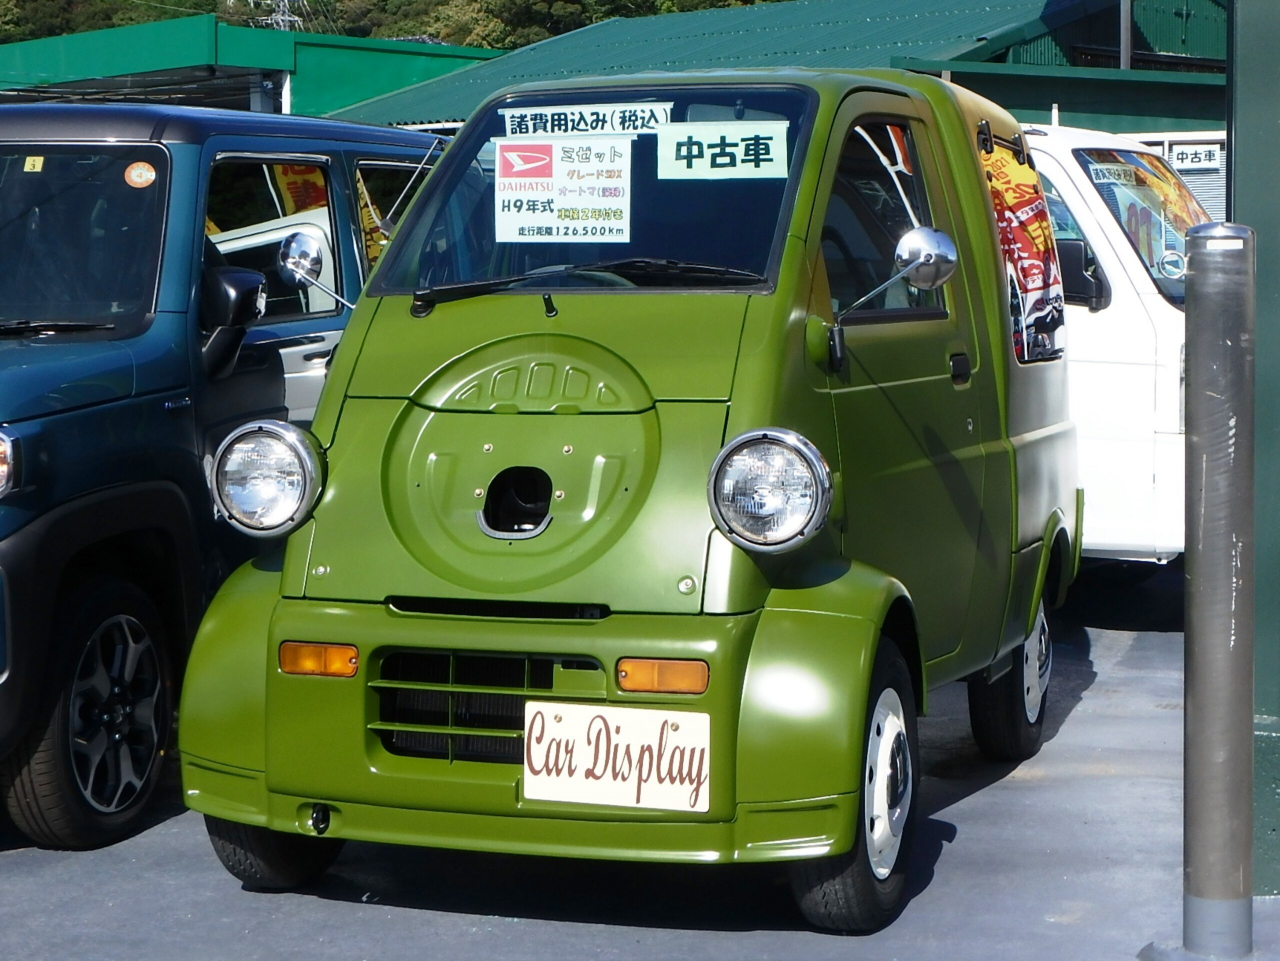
(947,499)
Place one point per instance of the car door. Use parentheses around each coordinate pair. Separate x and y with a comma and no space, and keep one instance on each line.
(906,402)
(1111,368)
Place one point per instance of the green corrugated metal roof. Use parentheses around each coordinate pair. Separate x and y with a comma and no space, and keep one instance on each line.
(350,68)
(802,33)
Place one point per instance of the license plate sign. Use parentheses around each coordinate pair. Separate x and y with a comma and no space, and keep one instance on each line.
(618,756)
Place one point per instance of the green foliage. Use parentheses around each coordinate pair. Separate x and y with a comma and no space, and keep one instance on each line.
(498,24)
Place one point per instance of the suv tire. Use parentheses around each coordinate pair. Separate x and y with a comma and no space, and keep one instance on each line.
(83,774)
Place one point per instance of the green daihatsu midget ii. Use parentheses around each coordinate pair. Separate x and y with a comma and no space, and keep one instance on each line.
(691,429)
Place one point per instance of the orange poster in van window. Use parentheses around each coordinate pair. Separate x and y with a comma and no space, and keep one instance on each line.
(1031,259)
(302,187)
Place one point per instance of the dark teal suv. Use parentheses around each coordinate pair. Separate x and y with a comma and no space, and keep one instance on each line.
(143,316)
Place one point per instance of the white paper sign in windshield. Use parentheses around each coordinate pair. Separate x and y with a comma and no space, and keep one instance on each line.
(562,190)
(585,118)
(723,150)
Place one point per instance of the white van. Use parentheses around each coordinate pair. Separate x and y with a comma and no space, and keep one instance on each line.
(1120,215)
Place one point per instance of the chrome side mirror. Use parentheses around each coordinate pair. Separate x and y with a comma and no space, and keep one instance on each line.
(925,257)
(300,261)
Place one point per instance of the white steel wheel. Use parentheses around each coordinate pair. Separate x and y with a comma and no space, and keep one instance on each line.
(889,781)
(862,889)
(1007,714)
(1037,665)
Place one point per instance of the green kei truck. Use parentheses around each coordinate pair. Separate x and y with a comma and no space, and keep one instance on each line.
(691,429)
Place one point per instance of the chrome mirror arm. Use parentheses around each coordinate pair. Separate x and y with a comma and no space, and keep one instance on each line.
(919,261)
(312,282)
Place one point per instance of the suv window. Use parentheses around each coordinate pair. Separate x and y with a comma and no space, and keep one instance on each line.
(252,206)
(380,193)
(80,233)
(878,195)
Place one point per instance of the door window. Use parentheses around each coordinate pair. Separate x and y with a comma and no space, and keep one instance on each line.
(878,195)
(381,192)
(252,206)
(1065,226)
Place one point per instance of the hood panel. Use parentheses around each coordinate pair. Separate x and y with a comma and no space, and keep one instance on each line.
(679,346)
(537,373)
(398,515)
(45,375)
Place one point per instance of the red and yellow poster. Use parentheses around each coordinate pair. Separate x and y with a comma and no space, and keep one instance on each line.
(302,187)
(1031,259)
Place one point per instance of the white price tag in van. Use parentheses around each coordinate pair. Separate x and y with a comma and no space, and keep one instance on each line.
(630,118)
(562,189)
(723,150)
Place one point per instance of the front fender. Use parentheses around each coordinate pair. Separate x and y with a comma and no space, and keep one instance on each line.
(223,712)
(804,698)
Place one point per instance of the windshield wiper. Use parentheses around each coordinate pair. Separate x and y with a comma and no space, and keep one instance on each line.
(50,326)
(424,300)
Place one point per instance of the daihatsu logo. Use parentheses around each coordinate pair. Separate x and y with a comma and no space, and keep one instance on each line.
(524,160)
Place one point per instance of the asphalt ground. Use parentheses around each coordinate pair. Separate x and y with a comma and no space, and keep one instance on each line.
(1074,854)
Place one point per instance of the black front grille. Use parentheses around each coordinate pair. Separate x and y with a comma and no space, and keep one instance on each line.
(462,706)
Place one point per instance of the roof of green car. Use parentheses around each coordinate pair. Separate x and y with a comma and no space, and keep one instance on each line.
(830,84)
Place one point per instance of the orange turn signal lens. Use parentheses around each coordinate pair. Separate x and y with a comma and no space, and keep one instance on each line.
(663,677)
(323,660)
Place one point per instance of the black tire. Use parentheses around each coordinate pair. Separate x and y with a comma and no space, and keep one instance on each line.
(54,790)
(266,860)
(998,712)
(843,893)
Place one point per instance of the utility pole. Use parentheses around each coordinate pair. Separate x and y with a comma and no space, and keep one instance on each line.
(1126,34)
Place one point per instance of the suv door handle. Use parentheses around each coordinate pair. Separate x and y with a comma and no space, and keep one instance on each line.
(961,370)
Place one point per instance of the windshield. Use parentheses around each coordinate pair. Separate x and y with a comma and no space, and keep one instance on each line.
(80,232)
(656,185)
(1153,207)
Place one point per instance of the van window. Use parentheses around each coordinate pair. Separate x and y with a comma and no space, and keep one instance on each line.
(382,191)
(1025,228)
(1153,207)
(659,187)
(252,206)
(1064,222)
(878,195)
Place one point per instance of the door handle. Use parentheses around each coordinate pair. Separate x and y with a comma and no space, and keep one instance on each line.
(961,370)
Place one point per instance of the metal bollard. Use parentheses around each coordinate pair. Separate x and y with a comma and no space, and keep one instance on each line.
(1217,899)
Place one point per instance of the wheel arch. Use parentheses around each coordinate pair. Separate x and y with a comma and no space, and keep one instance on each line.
(151,523)
(1056,567)
(804,698)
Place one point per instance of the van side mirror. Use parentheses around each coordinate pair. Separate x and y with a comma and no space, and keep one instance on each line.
(300,262)
(1082,283)
(232,300)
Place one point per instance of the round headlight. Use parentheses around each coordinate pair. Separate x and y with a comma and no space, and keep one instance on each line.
(267,477)
(770,490)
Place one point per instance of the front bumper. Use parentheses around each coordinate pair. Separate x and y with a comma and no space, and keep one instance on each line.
(786,703)
(785,830)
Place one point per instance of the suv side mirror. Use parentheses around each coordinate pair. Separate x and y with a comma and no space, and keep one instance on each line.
(1082,284)
(232,297)
(232,300)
